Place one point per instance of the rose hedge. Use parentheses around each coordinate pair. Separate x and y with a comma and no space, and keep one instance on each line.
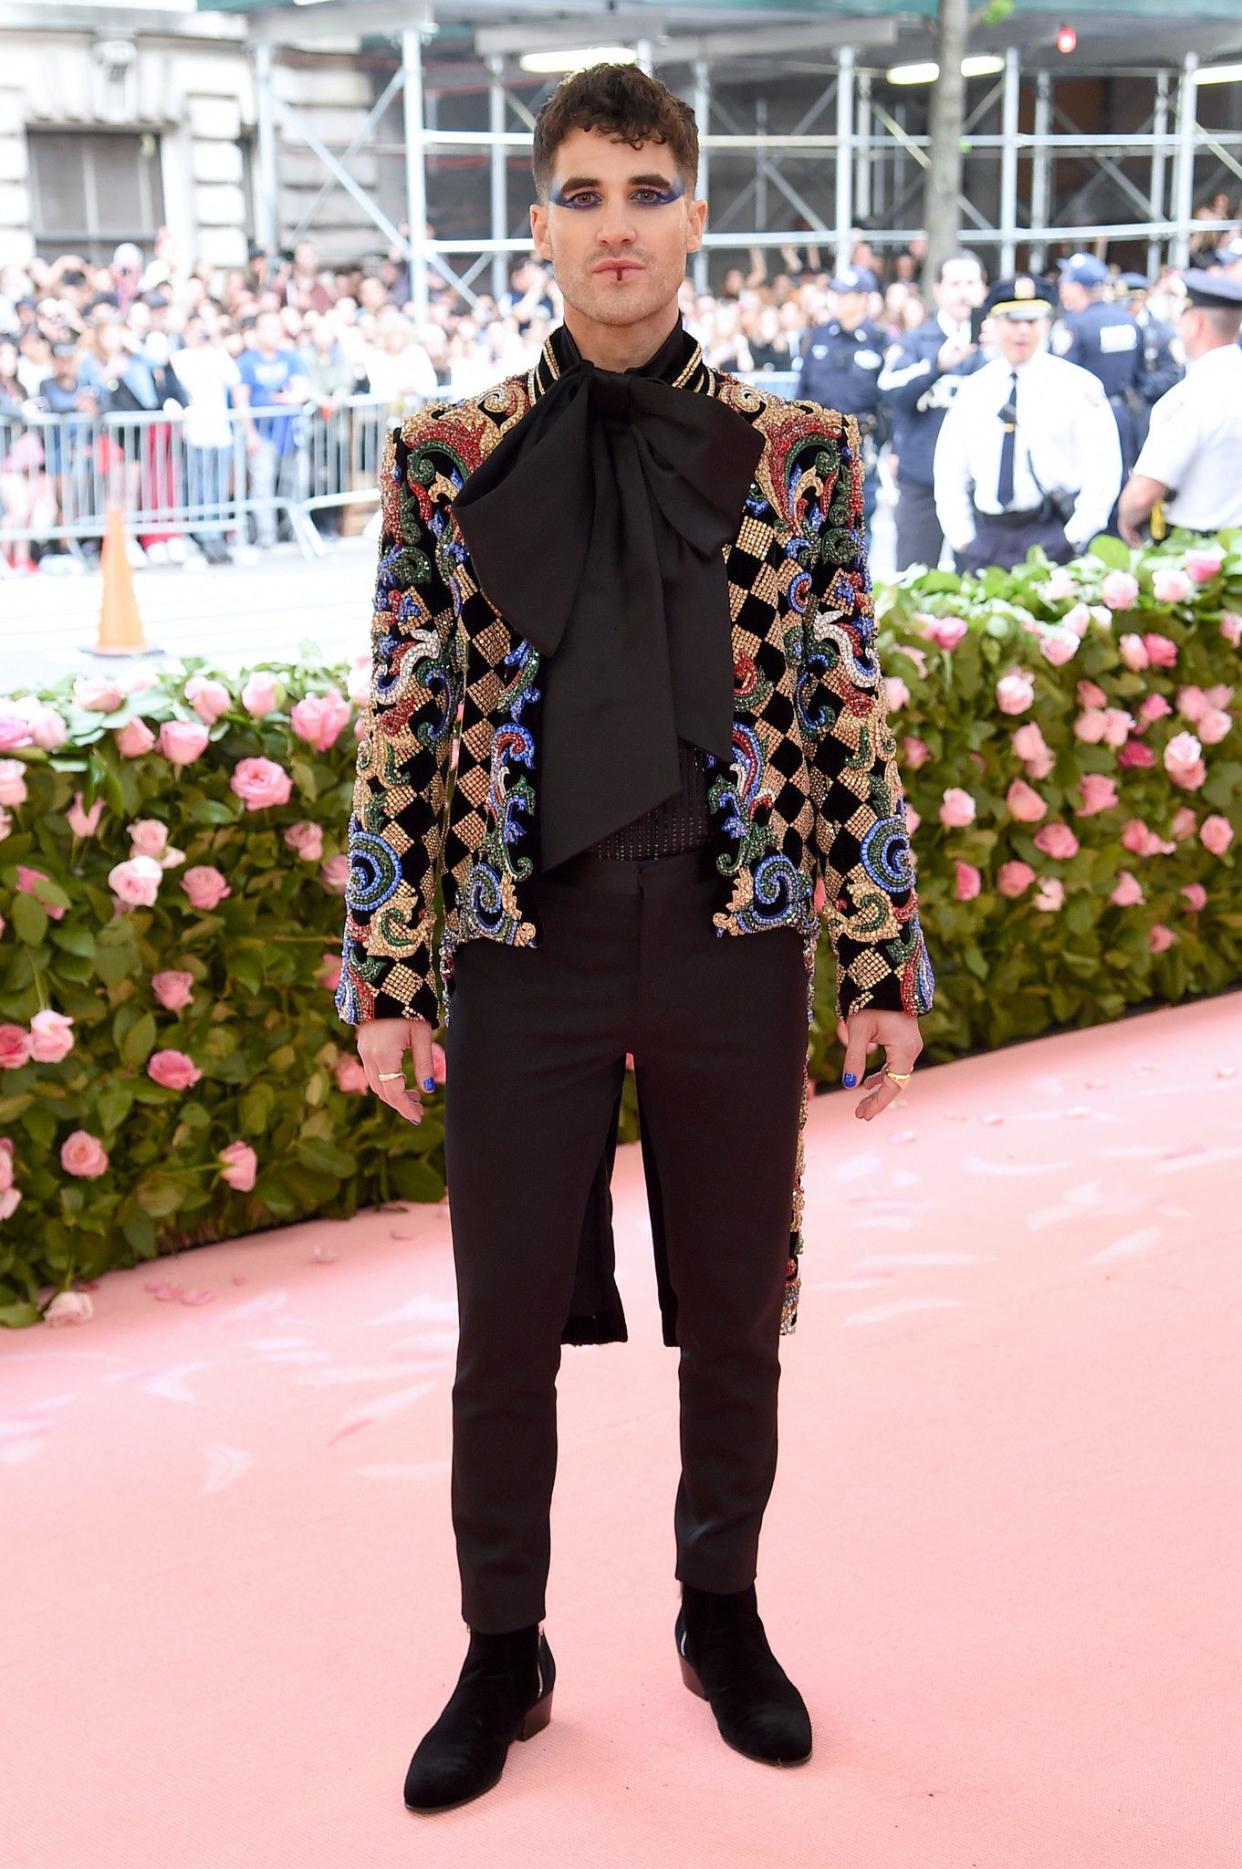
(172,1069)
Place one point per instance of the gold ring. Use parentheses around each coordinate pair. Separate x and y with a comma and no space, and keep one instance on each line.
(900,1078)
(384,1074)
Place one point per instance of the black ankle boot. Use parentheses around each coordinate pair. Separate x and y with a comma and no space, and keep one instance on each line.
(503,1693)
(725,1659)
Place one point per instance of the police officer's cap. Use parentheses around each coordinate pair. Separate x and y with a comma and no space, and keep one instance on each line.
(1021,297)
(1084,269)
(1214,289)
(1135,282)
(854,279)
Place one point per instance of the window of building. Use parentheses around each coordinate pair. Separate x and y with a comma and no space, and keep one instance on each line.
(91,189)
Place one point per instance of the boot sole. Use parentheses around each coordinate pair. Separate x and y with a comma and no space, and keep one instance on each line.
(692,1681)
(532,1722)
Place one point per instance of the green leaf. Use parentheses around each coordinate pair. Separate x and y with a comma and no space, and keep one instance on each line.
(1110,551)
(40,1125)
(139,1041)
(212,811)
(29,920)
(114,1102)
(316,1153)
(159,1195)
(140,1234)
(18,1316)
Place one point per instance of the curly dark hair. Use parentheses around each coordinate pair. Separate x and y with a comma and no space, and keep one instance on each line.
(628,105)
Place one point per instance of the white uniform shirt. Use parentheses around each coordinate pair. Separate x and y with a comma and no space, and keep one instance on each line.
(207,373)
(1066,440)
(1194,444)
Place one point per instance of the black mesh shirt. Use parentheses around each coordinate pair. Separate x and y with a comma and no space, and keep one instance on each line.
(676,824)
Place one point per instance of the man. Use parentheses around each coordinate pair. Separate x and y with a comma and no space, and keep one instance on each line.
(1100,336)
(1028,453)
(918,382)
(1192,458)
(840,366)
(272,376)
(649,600)
(1163,365)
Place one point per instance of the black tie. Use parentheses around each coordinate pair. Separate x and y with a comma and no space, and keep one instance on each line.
(1009,415)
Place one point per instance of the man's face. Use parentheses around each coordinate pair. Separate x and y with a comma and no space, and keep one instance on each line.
(268,331)
(617,227)
(1017,339)
(1073,296)
(848,308)
(959,290)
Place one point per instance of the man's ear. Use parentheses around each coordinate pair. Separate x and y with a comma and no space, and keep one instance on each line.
(696,217)
(539,229)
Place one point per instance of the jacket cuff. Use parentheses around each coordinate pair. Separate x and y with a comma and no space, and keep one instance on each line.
(383,988)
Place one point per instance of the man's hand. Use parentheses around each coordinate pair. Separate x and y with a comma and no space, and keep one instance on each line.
(952,352)
(382,1045)
(898,1033)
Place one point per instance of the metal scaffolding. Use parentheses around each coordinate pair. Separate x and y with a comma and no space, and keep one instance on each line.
(866,168)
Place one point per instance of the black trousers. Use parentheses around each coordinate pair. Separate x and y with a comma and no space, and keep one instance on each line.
(535,1057)
(919,538)
(1006,541)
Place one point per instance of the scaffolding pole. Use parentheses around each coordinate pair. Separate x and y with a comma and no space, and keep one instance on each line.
(845,164)
(862,167)
(415,169)
(1160,128)
(702,116)
(267,218)
(1009,163)
(1041,190)
(500,197)
(1184,173)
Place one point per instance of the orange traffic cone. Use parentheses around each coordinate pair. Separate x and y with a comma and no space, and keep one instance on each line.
(120,626)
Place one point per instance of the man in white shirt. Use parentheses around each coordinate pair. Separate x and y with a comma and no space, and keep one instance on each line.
(1028,453)
(1192,458)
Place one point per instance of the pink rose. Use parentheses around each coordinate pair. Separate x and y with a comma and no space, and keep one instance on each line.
(1135,754)
(51,1037)
(1024,804)
(1090,694)
(306,839)
(81,822)
(28,881)
(173,1069)
(1192,703)
(208,698)
(1159,937)
(958,809)
(1128,893)
(83,1154)
(12,782)
(134,739)
(358,685)
(6,1162)
(320,718)
(351,1077)
(1185,823)
(1218,696)
(261,694)
(1117,724)
(1190,778)
(1119,590)
(182,741)
(15,1047)
(947,632)
(1015,691)
(335,873)
(1216,834)
(1143,841)
(1195,894)
(49,729)
(1056,840)
(1098,794)
(1155,707)
(1050,895)
(438,1066)
(913,820)
(1161,650)
(1091,725)
(148,837)
(967,880)
(1078,619)
(241,1165)
(1231,627)
(1170,585)
(1057,645)
(1013,879)
(1182,753)
(136,883)
(205,886)
(261,782)
(98,694)
(1203,562)
(915,752)
(173,989)
(14,730)
(896,691)
(329,975)
(819,898)
(6,824)
(1029,742)
(69,1308)
(1059,586)
(1133,653)
(1214,725)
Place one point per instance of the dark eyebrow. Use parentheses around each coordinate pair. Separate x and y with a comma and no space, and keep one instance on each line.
(632,181)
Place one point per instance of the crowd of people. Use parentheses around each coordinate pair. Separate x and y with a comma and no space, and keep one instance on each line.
(152,335)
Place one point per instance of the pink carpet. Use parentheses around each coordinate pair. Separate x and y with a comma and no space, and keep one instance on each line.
(1002,1559)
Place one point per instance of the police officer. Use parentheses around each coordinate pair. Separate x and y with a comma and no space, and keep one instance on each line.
(1163,363)
(840,365)
(920,378)
(1028,452)
(1192,458)
(1102,337)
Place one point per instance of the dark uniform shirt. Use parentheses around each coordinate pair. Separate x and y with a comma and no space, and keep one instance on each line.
(841,369)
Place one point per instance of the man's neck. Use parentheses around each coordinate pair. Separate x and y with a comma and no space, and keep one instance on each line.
(1209,350)
(621,347)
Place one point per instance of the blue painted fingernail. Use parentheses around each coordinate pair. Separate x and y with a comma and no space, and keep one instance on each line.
(849,1080)
(429,1083)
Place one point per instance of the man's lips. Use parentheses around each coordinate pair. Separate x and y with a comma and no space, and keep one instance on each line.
(618,266)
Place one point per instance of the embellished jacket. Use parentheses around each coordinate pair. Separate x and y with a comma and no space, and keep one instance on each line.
(447,785)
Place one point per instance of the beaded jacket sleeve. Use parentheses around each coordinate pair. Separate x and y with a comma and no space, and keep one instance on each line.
(862,849)
(404,756)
